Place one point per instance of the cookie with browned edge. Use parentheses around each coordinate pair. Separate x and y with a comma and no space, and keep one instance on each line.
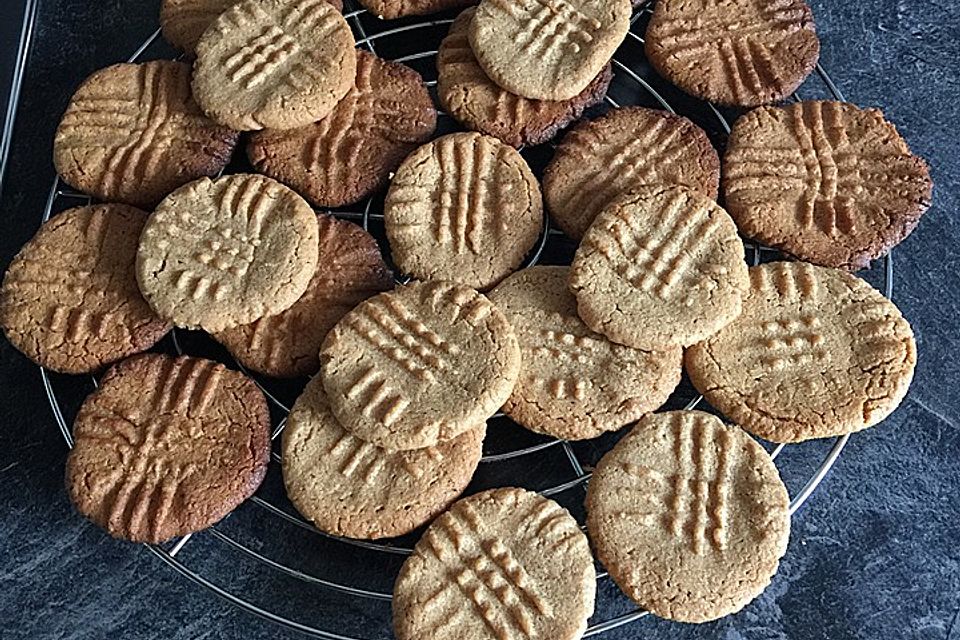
(689,516)
(478,103)
(184,21)
(70,300)
(351,153)
(221,253)
(390,9)
(660,266)
(277,64)
(349,270)
(419,365)
(349,487)
(547,49)
(504,563)
(575,383)
(167,446)
(132,133)
(816,353)
(733,52)
(826,182)
(628,147)
(466,208)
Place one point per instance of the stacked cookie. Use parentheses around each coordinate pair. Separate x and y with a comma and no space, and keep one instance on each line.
(688,514)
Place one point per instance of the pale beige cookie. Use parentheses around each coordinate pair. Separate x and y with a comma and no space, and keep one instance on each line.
(574,383)
(184,21)
(659,266)
(689,516)
(599,160)
(349,487)
(274,63)
(506,564)
(547,49)
(70,300)
(132,133)
(220,253)
(349,270)
(816,353)
(390,9)
(733,52)
(419,365)
(167,446)
(465,208)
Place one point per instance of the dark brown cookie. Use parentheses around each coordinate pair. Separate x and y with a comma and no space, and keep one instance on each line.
(167,446)
(348,155)
(350,269)
(827,182)
(70,300)
(601,159)
(184,21)
(478,103)
(132,133)
(390,9)
(733,52)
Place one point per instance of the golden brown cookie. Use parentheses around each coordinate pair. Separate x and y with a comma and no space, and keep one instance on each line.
(348,487)
(184,21)
(574,383)
(478,103)
(504,563)
(689,516)
(816,353)
(167,446)
(277,64)
(132,133)
(465,208)
(349,270)
(733,52)
(659,266)
(601,159)
(220,253)
(547,49)
(827,182)
(351,153)
(70,300)
(390,9)
(419,365)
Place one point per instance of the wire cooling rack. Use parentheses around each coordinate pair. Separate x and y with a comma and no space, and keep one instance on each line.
(265,558)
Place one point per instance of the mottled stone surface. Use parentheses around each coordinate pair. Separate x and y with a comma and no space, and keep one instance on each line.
(875,553)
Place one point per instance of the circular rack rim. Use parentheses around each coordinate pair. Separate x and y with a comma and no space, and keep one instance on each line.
(168,556)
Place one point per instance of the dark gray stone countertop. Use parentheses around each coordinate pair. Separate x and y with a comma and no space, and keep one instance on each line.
(874,553)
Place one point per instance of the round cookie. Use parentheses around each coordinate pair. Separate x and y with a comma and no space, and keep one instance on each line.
(391,9)
(220,253)
(601,159)
(351,153)
(277,64)
(167,446)
(816,353)
(348,487)
(659,266)
(70,300)
(349,270)
(503,563)
(689,516)
(132,133)
(547,49)
(465,208)
(736,52)
(827,182)
(478,103)
(184,21)
(419,365)
(574,383)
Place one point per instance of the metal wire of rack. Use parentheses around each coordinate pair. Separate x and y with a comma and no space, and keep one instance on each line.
(633,83)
